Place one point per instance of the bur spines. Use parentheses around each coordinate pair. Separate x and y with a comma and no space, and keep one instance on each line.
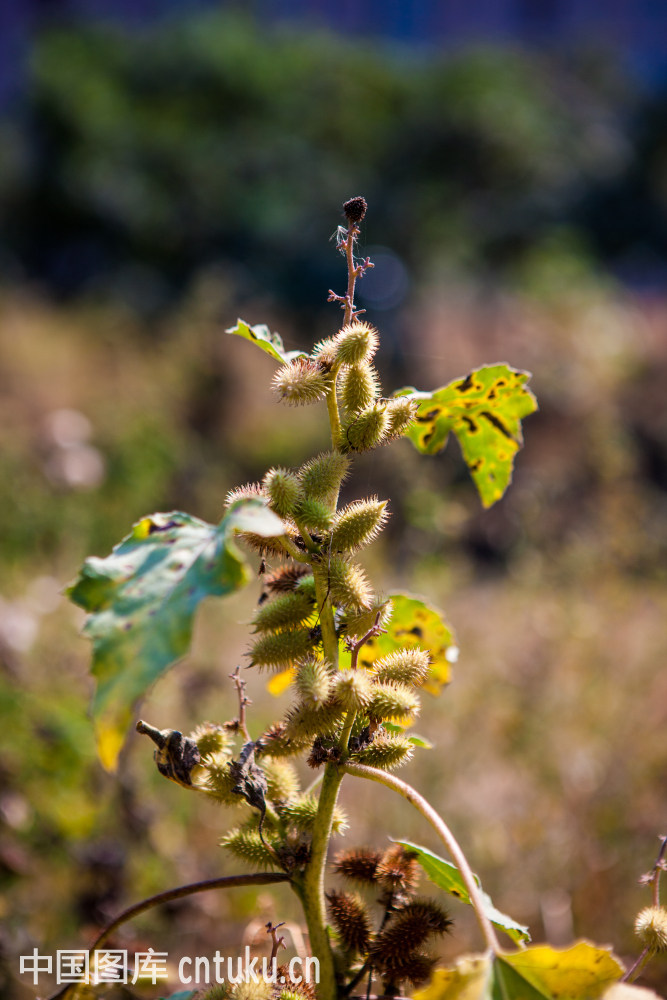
(285,578)
(301,812)
(398,869)
(303,721)
(249,491)
(285,611)
(353,689)
(392,701)
(283,490)
(349,585)
(282,781)
(358,524)
(217,780)
(356,342)
(357,624)
(350,918)
(367,430)
(314,514)
(314,681)
(322,476)
(247,845)
(359,864)
(210,738)
(386,752)
(301,382)
(404,666)
(359,387)
(401,413)
(410,928)
(651,928)
(278,649)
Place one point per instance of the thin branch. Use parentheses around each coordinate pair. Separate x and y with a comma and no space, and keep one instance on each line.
(226,882)
(445,834)
(637,966)
(244,700)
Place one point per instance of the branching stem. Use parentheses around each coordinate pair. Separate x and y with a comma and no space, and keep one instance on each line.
(445,834)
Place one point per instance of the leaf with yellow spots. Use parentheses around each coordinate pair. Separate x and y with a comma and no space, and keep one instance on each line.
(414,623)
(484,410)
(141,600)
(582,971)
(270,343)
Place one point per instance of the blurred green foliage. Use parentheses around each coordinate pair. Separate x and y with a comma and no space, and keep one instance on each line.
(193,172)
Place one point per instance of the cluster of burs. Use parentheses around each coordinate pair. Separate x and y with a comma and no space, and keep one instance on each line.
(348,710)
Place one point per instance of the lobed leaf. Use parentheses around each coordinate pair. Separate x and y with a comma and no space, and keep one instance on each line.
(582,971)
(447,876)
(141,600)
(270,343)
(484,411)
(414,623)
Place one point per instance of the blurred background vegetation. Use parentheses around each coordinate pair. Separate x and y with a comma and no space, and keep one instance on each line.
(154,185)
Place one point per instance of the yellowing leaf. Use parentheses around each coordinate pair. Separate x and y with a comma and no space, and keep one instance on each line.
(278,683)
(580,972)
(270,343)
(141,601)
(484,411)
(414,623)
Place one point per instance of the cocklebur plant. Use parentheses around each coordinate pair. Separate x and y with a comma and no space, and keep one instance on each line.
(355,661)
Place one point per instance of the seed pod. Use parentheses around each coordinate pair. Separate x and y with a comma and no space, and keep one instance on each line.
(306,587)
(350,918)
(279,649)
(276,743)
(357,625)
(282,782)
(651,928)
(358,524)
(355,343)
(314,514)
(302,812)
(355,208)
(266,546)
(353,689)
(349,585)
(304,722)
(322,476)
(325,353)
(401,412)
(405,666)
(249,846)
(285,578)
(217,779)
(210,738)
(392,701)
(399,869)
(247,989)
(282,612)
(359,864)
(251,491)
(411,967)
(367,430)
(301,382)
(314,682)
(283,490)
(386,752)
(359,386)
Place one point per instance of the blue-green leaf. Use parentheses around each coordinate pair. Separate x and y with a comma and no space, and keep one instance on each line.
(141,600)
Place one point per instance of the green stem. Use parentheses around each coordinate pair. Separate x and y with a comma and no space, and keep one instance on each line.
(332,408)
(344,740)
(445,834)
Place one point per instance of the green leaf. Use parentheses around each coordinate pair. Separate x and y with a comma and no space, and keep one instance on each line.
(582,971)
(414,623)
(414,738)
(447,876)
(141,600)
(484,411)
(271,343)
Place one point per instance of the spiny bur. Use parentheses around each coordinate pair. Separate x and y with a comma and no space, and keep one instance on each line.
(301,382)
(357,342)
(353,689)
(217,779)
(283,611)
(251,491)
(398,869)
(210,738)
(282,781)
(358,624)
(392,701)
(304,722)
(358,524)
(359,864)
(279,649)
(386,752)
(411,967)
(651,928)
(405,666)
(314,681)
(359,386)
(285,578)
(314,514)
(349,585)
(322,476)
(283,490)
(410,928)
(247,845)
(350,918)
(400,412)
(367,430)
(302,813)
